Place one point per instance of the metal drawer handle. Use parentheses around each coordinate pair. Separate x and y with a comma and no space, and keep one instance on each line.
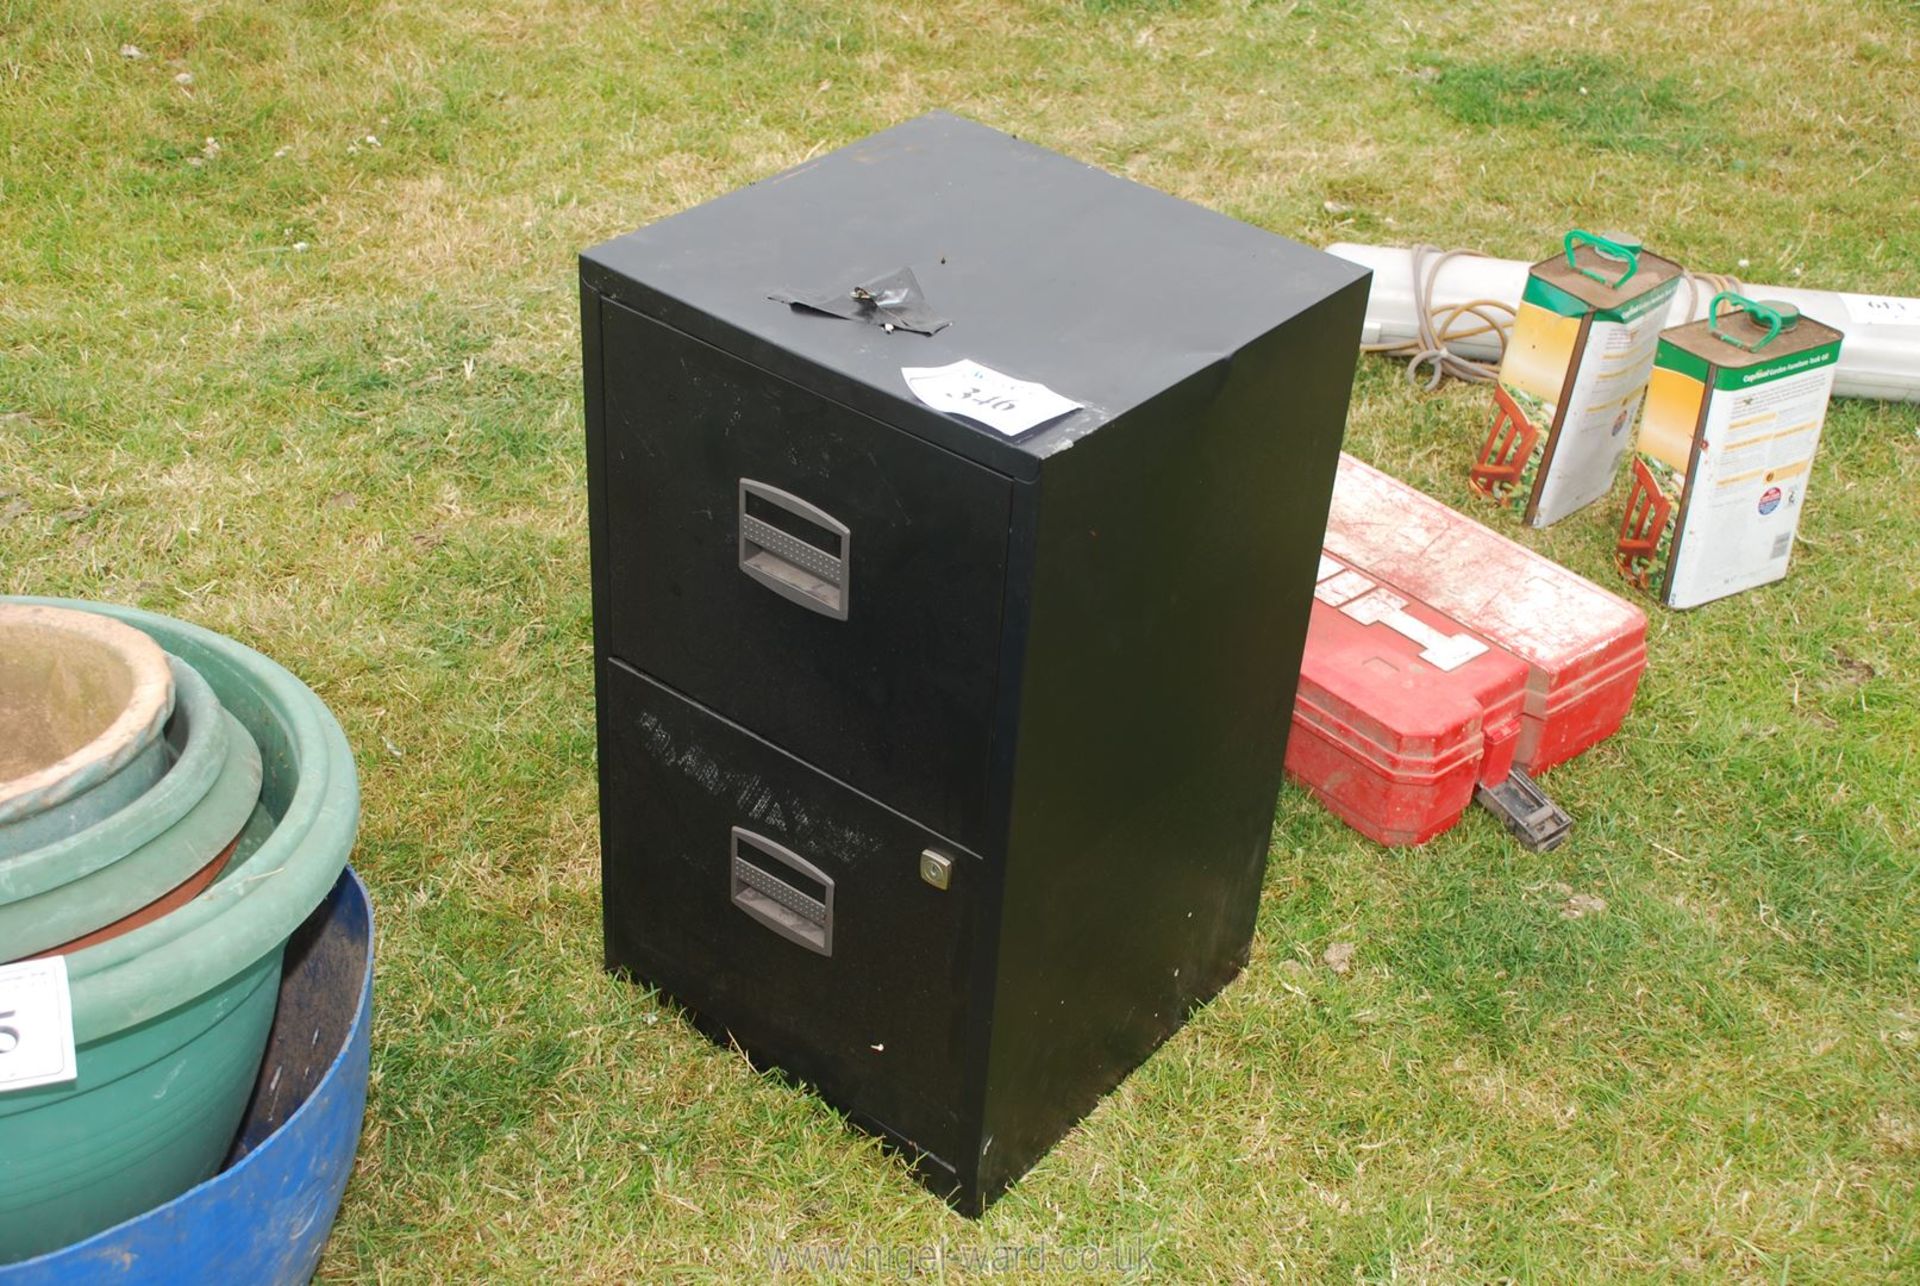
(810,569)
(783,891)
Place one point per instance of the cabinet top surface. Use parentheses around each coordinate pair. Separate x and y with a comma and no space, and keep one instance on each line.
(1048,270)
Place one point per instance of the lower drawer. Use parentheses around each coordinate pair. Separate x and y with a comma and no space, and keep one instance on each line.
(794,914)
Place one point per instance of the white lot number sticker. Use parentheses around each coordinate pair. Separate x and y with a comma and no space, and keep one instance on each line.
(1000,402)
(36,1025)
(1882,310)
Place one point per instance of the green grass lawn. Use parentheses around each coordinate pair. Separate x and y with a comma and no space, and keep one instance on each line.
(288,347)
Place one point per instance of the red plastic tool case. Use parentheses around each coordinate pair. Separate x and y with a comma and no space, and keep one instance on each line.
(1400,711)
(1584,648)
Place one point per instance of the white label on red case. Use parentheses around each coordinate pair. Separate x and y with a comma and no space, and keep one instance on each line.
(36,1025)
(1340,588)
(1446,652)
(1328,567)
(1375,607)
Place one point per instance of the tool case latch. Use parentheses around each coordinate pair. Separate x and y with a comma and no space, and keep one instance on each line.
(1524,809)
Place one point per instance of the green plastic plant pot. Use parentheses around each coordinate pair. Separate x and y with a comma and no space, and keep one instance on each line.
(177,896)
(116,890)
(309,791)
(197,737)
(103,799)
(152,1114)
(83,699)
(123,989)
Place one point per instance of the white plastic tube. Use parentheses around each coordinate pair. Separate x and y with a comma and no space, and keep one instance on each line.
(1880,357)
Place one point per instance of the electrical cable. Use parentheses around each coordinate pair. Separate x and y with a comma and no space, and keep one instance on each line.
(1441,327)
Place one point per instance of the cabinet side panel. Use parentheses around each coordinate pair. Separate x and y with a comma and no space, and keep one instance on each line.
(595,416)
(1174,573)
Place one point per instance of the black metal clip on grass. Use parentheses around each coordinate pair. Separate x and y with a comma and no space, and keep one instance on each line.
(1524,809)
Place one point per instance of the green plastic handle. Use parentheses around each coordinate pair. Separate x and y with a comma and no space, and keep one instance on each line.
(1631,254)
(1766,316)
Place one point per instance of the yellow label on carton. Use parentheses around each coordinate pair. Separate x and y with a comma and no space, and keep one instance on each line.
(1721,467)
(1570,384)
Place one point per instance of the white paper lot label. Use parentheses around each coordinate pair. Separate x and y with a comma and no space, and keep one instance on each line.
(1882,310)
(36,1025)
(1001,402)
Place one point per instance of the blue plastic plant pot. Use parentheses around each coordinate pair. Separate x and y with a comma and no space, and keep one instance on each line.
(188,997)
(264,1219)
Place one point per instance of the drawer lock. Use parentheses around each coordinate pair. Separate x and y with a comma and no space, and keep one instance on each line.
(936,869)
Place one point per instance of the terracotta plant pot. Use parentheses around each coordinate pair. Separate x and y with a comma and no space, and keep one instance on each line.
(77,907)
(195,741)
(83,699)
(172,900)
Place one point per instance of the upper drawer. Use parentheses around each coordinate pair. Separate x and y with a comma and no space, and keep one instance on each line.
(815,575)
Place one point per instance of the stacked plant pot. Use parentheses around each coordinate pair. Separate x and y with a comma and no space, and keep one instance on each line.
(172,807)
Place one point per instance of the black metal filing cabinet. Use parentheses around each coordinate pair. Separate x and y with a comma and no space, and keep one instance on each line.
(937,765)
